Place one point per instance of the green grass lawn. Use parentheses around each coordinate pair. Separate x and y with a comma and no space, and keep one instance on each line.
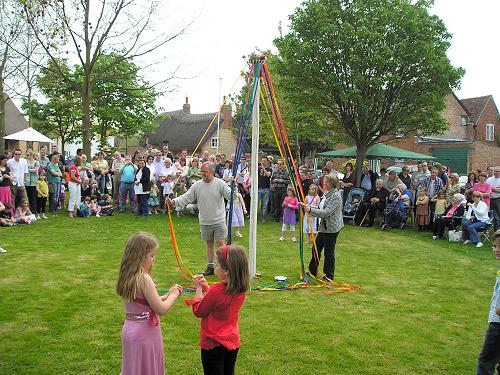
(422,308)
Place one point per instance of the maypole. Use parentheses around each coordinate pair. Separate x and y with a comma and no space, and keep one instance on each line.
(254,198)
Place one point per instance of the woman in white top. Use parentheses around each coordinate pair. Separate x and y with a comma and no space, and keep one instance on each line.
(150,165)
(475,218)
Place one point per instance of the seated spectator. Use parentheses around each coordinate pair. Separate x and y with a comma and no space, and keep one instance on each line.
(475,218)
(106,204)
(374,200)
(452,216)
(23,214)
(84,209)
(6,219)
(95,208)
(396,212)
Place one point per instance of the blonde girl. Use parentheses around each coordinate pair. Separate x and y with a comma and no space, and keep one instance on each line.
(312,200)
(440,200)
(142,345)
(219,309)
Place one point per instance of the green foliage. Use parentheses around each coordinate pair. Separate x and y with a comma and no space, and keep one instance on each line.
(376,68)
(123,104)
(422,308)
(61,115)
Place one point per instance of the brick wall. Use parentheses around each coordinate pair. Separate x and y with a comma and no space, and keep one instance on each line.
(486,152)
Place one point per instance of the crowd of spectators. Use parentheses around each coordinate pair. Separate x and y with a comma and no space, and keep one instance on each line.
(107,182)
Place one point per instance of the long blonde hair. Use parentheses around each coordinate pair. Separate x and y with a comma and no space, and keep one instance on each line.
(131,272)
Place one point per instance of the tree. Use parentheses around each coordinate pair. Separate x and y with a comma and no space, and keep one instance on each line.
(376,68)
(124,103)
(93,28)
(61,115)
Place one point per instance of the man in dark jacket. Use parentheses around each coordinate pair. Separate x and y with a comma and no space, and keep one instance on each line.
(373,201)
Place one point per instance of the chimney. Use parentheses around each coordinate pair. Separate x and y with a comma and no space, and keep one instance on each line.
(227,115)
(186,108)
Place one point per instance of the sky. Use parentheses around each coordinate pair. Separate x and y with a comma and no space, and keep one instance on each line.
(209,54)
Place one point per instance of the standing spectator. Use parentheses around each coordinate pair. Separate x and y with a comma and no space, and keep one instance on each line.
(101,170)
(433,184)
(442,173)
(392,181)
(348,181)
(44,160)
(33,169)
(127,177)
(264,184)
(74,187)
(452,188)
(180,166)
(494,182)
(166,152)
(220,160)
(405,177)
(194,172)
(383,176)
(150,165)
(116,166)
(54,179)
(86,169)
(19,172)
(307,167)
(42,189)
(368,179)
(280,182)
(5,179)
(422,174)
(141,188)
(321,179)
(159,164)
(471,180)
(483,187)
(489,171)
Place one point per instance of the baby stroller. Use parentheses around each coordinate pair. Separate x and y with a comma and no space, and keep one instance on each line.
(394,215)
(354,198)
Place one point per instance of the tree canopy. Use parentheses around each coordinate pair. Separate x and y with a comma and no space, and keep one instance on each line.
(376,68)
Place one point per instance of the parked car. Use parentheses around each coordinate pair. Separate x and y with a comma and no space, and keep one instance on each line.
(413,169)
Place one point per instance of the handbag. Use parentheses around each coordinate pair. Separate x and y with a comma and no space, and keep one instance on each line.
(454,235)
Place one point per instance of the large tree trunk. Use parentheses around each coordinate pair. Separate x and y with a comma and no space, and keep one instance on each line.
(360,158)
(86,119)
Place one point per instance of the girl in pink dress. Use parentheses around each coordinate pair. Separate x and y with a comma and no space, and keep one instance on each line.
(142,345)
(290,207)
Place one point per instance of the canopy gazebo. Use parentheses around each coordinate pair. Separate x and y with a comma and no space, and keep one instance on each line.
(29,135)
(377,151)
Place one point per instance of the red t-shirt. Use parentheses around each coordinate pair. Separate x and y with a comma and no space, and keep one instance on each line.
(77,172)
(219,317)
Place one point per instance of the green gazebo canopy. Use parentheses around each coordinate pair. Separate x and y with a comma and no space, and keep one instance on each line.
(377,151)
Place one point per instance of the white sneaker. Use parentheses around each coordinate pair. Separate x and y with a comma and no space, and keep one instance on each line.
(97,215)
(238,234)
(294,239)
(38,217)
(2,250)
(466,242)
(479,244)
(282,238)
(434,237)
(44,217)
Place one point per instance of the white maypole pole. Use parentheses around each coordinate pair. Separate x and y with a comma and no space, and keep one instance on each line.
(254,198)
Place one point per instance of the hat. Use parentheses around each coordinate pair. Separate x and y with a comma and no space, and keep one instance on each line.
(105,149)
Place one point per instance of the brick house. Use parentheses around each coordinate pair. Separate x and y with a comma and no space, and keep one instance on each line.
(472,140)
(183,129)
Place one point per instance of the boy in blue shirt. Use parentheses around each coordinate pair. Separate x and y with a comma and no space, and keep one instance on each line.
(489,358)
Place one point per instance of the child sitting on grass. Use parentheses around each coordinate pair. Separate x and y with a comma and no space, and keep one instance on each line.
(6,219)
(489,358)
(106,204)
(95,208)
(84,209)
(23,214)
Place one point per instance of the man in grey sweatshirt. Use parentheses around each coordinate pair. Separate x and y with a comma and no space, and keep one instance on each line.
(209,193)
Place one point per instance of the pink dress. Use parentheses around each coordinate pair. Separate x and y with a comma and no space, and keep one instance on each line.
(142,344)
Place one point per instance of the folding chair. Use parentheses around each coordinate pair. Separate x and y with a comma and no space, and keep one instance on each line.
(486,233)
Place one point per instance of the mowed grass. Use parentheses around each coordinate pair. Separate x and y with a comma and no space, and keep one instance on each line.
(422,308)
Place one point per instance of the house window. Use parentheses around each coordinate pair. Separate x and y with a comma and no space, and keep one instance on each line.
(464,120)
(490,132)
(214,142)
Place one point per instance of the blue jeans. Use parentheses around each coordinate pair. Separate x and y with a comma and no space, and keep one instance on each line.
(264,201)
(124,190)
(54,194)
(469,230)
(142,201)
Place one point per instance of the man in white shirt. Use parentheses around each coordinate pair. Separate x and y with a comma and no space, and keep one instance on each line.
(494,181)
(19,172)
(209,193)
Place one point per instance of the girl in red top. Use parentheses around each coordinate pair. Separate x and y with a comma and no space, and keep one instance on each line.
(218,310)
